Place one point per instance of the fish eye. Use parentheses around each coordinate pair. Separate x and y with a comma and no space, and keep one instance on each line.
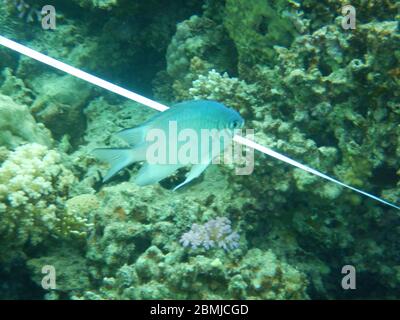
(235,124)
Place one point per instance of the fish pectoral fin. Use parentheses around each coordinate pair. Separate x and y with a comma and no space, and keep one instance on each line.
(152,173)
(194,172)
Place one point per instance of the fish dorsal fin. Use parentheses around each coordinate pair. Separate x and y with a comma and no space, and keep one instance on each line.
(137,135)
(133,136)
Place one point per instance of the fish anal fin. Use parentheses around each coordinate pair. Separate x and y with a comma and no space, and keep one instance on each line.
(194,172)
(153,173)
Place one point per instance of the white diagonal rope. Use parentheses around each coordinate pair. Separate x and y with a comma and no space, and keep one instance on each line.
(254,145)
(160,107)
(80,74)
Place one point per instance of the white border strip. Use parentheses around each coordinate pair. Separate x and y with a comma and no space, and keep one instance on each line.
(160,107)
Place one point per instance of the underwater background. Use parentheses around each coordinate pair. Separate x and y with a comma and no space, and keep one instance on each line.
(325,96)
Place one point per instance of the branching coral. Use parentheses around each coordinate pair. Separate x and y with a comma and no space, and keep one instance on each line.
(34,186)
(233,92)
(214,233)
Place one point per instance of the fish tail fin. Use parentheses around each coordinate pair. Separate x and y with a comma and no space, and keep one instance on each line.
(118,159)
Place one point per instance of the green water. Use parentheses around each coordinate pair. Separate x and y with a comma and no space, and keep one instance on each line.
(315,84)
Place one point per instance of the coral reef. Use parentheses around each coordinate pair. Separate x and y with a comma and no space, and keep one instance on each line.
(18,126)
(158,276)
(327,98)
(215,233)
(57,108)
(100,4)
(257,26)
(15,87)
(198,45)
(30,13)
(234,92)
(134,253)
(33,188)
(71,271)
(322,95)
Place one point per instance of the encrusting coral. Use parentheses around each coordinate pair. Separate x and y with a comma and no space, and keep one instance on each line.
(257,26)
(57,108)
(156,275)
(18,126)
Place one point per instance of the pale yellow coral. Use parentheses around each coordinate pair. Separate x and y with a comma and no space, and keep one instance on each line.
(34,186)
(231,91)
(83,204)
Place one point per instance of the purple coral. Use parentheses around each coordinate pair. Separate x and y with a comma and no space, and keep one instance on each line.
(215,233)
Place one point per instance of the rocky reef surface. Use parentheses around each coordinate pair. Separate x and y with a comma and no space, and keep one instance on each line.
(325,96)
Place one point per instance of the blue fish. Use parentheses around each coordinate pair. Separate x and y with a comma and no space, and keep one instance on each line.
(198,116)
